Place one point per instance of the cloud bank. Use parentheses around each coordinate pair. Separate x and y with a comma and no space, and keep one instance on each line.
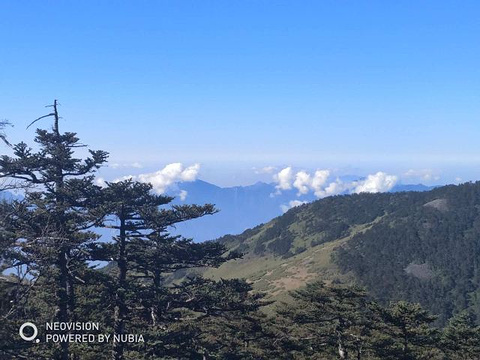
(379,182)
(169,175)
(319,183)
(422,174)
(163,178)
(292,204)
(136,165)
(284,179)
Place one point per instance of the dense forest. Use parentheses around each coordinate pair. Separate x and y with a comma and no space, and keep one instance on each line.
(420,247)
(426,251)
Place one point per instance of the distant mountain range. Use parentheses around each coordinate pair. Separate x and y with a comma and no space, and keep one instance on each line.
(242,207)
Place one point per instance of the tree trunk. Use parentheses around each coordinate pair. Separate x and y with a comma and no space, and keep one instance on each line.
(120,308)
(342,352)
(71,295)
(156,291)
(359,353)
(62,295)
(405,343)
(71,304)
(63,283)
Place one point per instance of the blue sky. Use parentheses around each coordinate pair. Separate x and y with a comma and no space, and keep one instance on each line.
(354,86)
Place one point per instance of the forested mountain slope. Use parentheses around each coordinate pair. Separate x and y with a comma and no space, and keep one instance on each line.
(417,246)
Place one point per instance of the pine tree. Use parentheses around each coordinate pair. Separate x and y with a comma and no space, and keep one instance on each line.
(51,224)
(406,333)
(144,251)
(460,339)
(211,320)
(329,319)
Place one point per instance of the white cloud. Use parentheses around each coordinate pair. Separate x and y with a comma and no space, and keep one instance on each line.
(295,203)
(421,174)
(303,182)
(292,204)
(135,165)
(334,188)
(190,173)
(100,181)
(379,182)
(318,183)
(284,179)
(167,176)
(183,195)
(170,174)
(319,180)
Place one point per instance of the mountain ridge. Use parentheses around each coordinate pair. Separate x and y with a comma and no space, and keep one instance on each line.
(243,207)
(415,246)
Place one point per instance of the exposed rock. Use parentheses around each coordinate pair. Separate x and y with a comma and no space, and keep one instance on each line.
(420,271)
(439,204)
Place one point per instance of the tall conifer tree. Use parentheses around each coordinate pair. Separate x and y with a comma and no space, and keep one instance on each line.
(330,319)
(51,223)
(144,251)
(406,332)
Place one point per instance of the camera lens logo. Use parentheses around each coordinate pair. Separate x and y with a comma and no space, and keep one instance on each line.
(32,326)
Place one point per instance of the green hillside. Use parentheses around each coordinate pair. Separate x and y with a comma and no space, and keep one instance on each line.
(417,246)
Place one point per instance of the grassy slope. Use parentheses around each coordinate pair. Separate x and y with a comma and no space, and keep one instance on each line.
(276,275)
